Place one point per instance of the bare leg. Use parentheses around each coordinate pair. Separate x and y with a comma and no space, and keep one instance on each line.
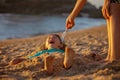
(109,40)
(48,64)
(115,32)
(107,59)
(68,58)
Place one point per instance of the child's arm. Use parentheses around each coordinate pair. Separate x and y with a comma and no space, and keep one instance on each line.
(17,60)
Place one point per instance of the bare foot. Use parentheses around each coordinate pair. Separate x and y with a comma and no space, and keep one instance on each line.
(104,61)
(68,58)
(48,64)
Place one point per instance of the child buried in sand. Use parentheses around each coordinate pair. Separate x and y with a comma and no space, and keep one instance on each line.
(53,45)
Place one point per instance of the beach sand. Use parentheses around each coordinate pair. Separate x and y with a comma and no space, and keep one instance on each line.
(84,42)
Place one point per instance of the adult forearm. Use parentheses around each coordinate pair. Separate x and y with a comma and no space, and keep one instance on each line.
(78,6)
(106,1)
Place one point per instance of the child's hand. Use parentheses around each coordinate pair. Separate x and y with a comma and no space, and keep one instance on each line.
(16,61)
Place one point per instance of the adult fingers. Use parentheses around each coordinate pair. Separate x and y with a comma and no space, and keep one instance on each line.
(69,24)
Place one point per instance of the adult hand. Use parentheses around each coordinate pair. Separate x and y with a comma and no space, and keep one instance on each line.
(69,22)
(106,9)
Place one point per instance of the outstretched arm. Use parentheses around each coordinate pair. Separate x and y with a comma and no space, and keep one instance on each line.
(17,60)
(70,19)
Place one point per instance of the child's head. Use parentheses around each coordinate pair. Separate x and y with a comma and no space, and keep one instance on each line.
(53,41)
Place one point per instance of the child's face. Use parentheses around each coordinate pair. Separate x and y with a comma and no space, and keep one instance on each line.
(53,42)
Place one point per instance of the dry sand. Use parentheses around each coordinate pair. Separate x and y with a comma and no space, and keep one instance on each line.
(83,42)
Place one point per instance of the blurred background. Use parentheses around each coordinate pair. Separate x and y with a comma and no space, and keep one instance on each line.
(25,18)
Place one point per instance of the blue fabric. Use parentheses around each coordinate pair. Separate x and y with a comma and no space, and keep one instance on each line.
(50,51)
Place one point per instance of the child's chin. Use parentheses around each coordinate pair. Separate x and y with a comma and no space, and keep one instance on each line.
(52,46)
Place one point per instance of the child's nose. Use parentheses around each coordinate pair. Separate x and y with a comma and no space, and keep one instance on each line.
(52,38)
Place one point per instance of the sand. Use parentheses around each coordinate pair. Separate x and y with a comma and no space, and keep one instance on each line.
(84,42)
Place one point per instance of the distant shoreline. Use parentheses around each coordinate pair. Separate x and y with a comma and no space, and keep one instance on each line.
(38,7)
(22,26)
(60,32)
